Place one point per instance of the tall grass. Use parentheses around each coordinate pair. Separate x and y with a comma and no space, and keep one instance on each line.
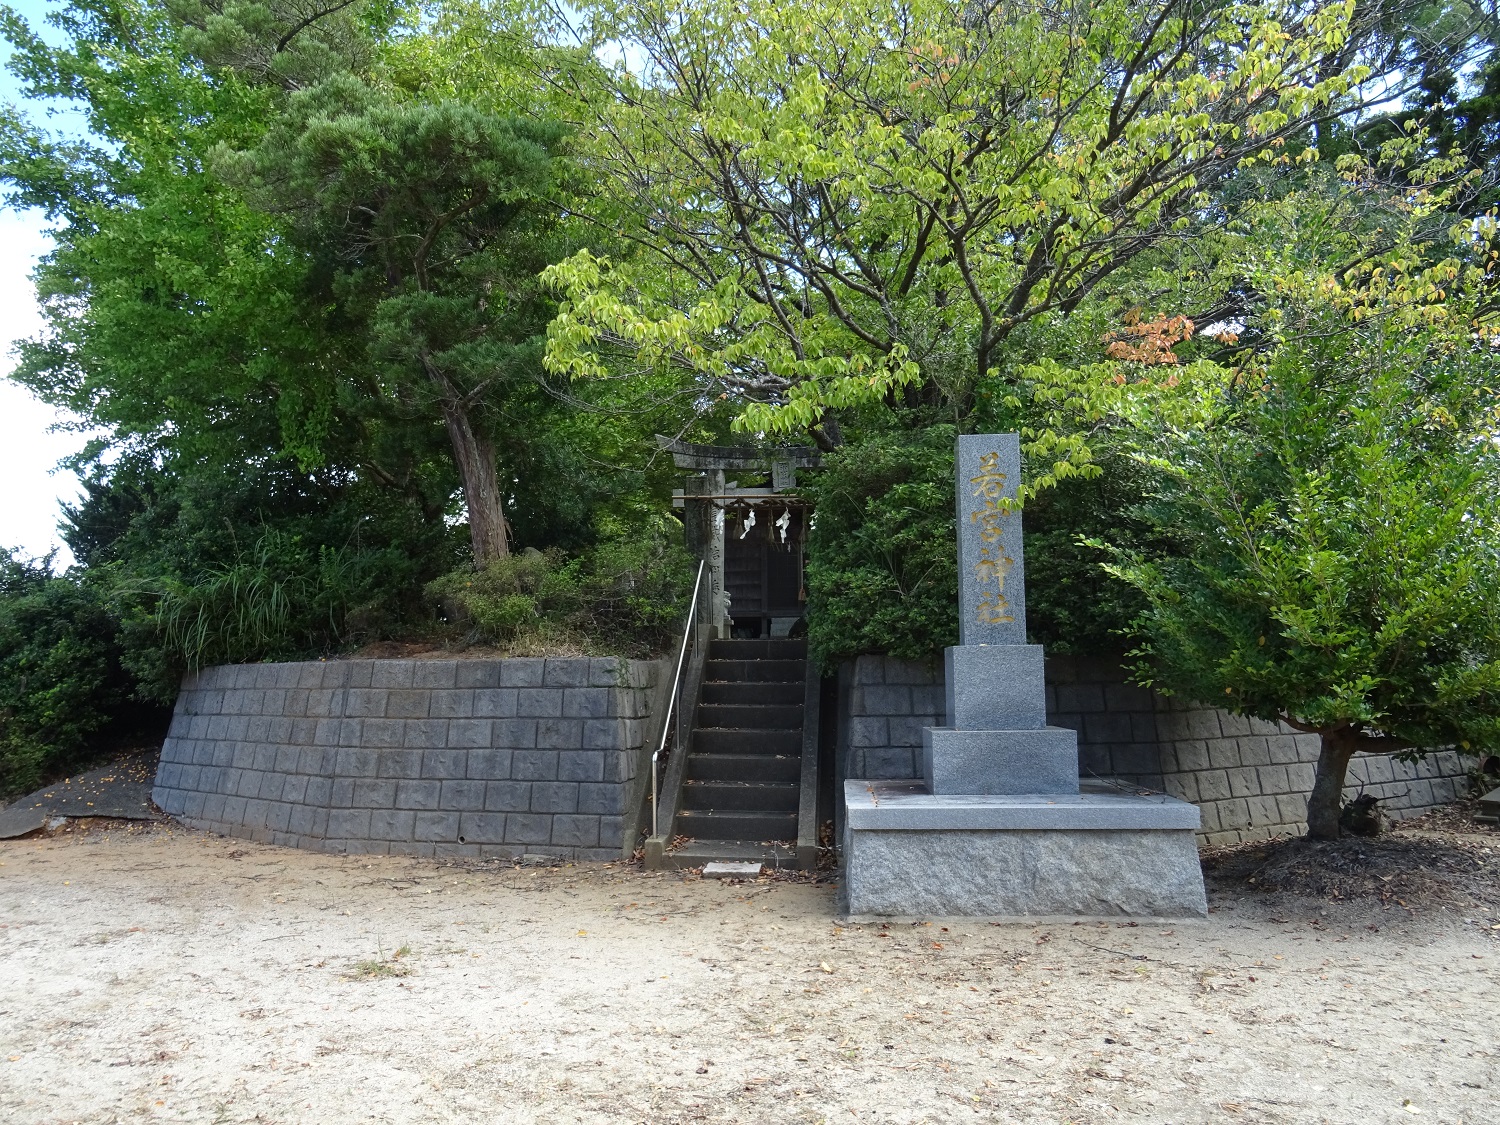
(276,599)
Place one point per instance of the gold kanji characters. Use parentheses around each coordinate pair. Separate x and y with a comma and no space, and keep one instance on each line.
(993,567)
(990,482)
(991,609)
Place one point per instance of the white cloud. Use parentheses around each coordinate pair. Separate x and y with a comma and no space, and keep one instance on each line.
(30,490)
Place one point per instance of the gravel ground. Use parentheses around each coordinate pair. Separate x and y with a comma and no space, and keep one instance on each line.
(150,974)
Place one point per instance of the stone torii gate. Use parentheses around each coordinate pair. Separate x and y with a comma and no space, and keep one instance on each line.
(707,495)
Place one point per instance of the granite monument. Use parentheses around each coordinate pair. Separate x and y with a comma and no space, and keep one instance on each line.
(1000,825)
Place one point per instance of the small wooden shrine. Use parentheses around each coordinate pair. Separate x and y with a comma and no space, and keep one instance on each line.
(752,530)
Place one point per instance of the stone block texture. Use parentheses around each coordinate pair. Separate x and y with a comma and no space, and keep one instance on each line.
(963,762)
(1038,874)
(1249,778)
(482,758)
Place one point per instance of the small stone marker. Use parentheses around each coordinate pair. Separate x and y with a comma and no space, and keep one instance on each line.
(1489,808)
(731,869)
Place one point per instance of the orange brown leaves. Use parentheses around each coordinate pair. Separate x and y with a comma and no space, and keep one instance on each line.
(1148,342)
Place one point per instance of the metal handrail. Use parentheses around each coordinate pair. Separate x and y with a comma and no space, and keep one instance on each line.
(666,722)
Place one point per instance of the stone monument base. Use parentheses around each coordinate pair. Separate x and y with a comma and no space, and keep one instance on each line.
(964,762)
(1100,853)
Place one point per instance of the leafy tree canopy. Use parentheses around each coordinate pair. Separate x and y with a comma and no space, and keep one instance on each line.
(836,204)
(1324,508)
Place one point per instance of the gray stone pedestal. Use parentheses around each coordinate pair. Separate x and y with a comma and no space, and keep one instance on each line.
(1099,853)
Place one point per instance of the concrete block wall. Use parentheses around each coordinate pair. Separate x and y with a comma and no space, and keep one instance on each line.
(883,705)
(1249,778)
(481,758)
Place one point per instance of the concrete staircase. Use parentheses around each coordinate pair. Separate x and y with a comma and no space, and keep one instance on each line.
(744,770)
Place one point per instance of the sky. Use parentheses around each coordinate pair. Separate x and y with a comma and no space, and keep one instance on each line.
(31,489)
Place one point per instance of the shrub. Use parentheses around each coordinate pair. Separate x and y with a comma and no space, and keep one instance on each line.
(283,598)
(1073,605)
(882,569)
(61,682)
(623,596)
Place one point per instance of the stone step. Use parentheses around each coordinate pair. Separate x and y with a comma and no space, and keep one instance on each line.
(699,824)
(708,740)
(756,716)
(733,869)
(755,671)
(744,767)
(740,796)
(774,648)
(697,853)
(740,694)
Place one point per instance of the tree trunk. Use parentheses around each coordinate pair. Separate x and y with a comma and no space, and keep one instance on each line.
(1328,785)
(474,457)
(489,534)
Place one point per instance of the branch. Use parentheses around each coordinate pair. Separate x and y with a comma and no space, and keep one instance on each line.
(303,25)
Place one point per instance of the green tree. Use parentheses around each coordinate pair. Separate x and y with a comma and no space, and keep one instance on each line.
(837,205)
(1447,53)
(1328,518)
(436,219)
(200,310)
(169,302)
(234,395)
(882,575)
(61,682)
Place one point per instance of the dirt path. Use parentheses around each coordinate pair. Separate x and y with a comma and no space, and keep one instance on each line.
(162,975)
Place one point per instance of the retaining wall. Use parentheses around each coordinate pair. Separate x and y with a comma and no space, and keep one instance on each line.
(1250,778)
(483,758)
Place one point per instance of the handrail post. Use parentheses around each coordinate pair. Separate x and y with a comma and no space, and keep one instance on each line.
(688,630)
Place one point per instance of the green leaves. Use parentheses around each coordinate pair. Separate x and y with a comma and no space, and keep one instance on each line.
(60,677)
(832,203)
(170,301)
(1333,544)
(882,571)
(625,595)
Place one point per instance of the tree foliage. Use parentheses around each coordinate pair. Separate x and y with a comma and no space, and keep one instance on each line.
(1329,523)
(436,220)
(834,204)
(882,576)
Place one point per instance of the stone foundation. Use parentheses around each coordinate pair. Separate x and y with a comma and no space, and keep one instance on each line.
(480,758)
(1101,854)
(1249,778)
